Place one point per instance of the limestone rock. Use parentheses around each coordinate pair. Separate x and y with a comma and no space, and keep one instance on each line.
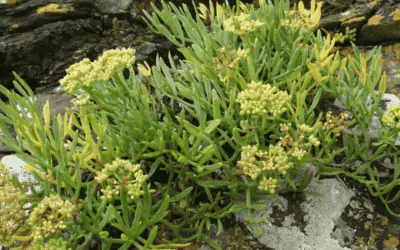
(336,214)
(319,215)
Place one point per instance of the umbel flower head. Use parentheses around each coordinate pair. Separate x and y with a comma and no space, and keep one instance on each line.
(268,184)
(78,75)
(242,24)
(391,118)
(260,165)
(262,99)
(49,216)
(275,159)
(248,162)
(85,73)
(113,61)
(253,162)
(335,124)
(121,175)
(12,214)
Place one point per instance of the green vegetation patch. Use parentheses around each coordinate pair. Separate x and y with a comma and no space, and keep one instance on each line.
(152,156)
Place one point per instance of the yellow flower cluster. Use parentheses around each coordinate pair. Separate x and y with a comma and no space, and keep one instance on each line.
(391,118)
(109,191)
(11,208)
(335,124)
(49,216)
(275,159)
(268,184)
(248,162)
(262,99)
(81,99)
(121,174)
(298,152)
(309,19)
(78,75)
(228,60)
(242,24)
(314,141)
(256,163)
(85,73)
(114,61)
(253,161)
(298,147)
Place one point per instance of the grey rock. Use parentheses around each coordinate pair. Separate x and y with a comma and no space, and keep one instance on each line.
(16,167)
(320,217)
(339,4)
(112,6)
(58,102)
(343,233)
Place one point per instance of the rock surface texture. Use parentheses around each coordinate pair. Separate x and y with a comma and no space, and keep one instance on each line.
(39,39)
(310,229)
(336,214)
(376,21)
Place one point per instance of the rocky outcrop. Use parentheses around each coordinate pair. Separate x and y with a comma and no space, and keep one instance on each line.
(353,17)
(375,21)
(39,39)
(384,25)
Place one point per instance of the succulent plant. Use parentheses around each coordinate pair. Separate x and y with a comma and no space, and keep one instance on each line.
(151,158)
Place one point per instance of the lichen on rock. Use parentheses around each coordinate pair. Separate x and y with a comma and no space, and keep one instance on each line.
(375,20)
(55,8)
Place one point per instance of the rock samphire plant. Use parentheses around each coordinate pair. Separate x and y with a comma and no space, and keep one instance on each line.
(151,157)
